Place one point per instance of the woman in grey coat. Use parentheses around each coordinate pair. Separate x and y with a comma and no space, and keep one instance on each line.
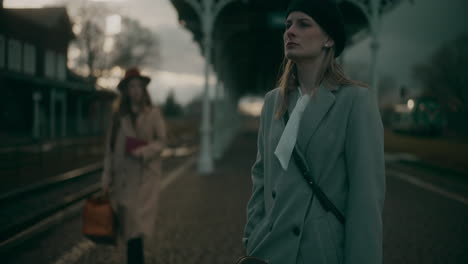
(335,123)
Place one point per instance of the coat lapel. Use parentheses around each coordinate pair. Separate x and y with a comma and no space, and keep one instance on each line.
(313,114)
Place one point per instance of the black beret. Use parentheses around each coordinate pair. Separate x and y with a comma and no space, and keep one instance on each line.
(327,14)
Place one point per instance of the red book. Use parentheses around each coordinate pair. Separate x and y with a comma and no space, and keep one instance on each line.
(132,143)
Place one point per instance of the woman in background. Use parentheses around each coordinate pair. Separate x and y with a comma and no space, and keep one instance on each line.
(132,164)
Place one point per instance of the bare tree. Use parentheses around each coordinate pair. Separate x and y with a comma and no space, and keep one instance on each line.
(445,77)
(134,45)
(89,40)
(171,107)
(445,74)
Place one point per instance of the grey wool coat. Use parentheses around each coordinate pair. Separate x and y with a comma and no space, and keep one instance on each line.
(135,183)
(341,137)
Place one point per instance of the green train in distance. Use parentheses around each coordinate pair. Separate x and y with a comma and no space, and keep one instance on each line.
(420,115)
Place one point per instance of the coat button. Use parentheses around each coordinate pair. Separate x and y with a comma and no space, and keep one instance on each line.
(273,194)
(271,228)
(296,230)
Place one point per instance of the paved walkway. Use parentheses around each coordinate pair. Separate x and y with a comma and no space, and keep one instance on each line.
(201,218)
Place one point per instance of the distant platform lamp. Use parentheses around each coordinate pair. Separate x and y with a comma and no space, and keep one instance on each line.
(207,11)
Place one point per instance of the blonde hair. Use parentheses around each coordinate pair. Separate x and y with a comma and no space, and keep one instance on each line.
(331,74)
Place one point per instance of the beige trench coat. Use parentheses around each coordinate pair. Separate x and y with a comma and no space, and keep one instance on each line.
(135,183)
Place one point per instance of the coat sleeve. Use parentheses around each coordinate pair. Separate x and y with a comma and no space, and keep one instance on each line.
(364,151)
(256,205)
(155,147)
(106,178)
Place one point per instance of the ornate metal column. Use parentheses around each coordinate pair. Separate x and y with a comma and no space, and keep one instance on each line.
(218,128)
(375,32)
(370,9)
(373,10)
(207,11)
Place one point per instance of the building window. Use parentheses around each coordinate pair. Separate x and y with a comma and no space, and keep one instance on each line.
(14,55)
(2,51)
(50,64)
(29,59)
(61,67)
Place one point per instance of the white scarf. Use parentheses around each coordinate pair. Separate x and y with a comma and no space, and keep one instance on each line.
(288,138)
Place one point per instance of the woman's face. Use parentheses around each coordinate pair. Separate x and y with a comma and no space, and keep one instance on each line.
(135,90)
(303,37)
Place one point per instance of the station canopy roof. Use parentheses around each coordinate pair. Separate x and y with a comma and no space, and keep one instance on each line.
(247,36)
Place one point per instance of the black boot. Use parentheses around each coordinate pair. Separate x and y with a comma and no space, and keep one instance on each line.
(135,251)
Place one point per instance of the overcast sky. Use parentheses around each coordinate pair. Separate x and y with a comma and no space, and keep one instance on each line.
(181,68)
(409,34)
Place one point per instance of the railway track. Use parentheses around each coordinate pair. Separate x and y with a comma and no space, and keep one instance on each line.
(30,211)
(26,212)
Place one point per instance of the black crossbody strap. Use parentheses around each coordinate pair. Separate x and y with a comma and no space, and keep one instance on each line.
(321,196)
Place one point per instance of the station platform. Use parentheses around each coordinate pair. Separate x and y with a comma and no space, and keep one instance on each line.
(201,217)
